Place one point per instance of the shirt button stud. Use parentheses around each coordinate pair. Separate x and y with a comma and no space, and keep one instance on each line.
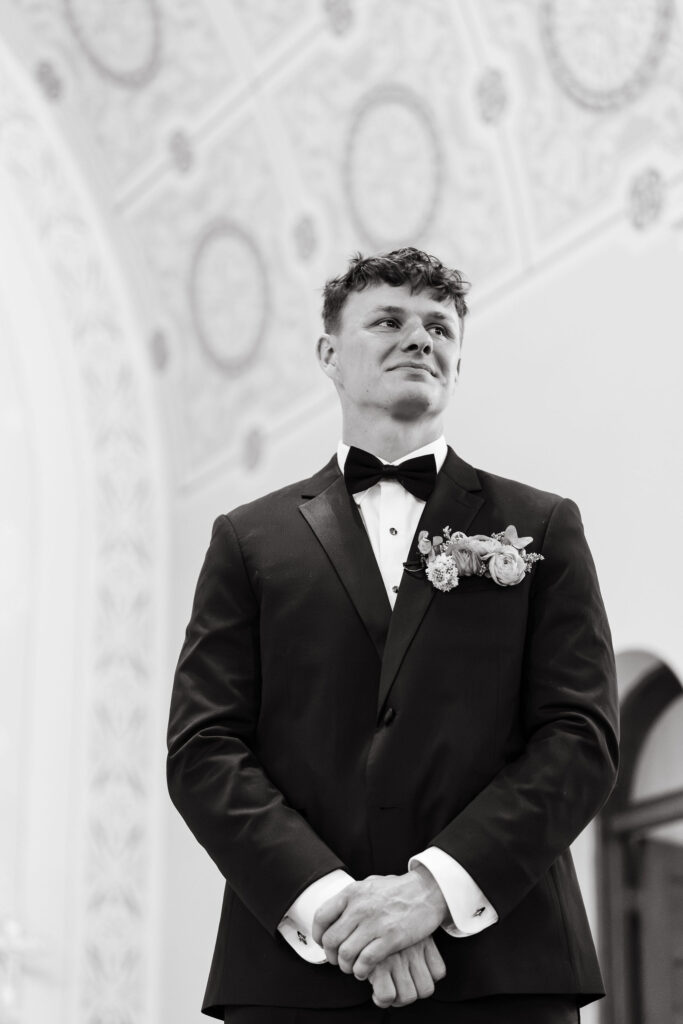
(393,531)
(395,589)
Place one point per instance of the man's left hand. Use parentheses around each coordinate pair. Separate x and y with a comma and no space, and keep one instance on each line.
(369,920)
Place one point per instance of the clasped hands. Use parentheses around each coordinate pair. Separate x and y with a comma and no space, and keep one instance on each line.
(380,929)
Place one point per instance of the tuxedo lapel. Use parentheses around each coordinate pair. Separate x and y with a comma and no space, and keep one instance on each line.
(336,521)
(453,503)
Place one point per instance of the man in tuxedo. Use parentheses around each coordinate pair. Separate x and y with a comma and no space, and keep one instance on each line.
(389,770)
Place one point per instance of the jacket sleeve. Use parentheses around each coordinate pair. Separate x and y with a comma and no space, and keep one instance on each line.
(265,849)
(533,809)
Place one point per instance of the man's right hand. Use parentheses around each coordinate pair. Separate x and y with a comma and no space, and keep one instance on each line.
(408,975)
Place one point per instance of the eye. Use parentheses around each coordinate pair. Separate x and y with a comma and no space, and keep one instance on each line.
(388,320)
(443,332)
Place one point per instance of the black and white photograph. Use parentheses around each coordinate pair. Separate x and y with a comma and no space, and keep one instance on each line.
(341,462)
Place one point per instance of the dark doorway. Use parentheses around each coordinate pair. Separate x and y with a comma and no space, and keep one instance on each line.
(641,865)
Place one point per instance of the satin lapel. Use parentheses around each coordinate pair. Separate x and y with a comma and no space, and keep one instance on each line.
(335,519)
(451,504)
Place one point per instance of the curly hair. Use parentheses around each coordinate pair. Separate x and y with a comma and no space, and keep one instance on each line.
(402,266)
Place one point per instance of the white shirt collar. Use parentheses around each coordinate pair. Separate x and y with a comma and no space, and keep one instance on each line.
(438,449)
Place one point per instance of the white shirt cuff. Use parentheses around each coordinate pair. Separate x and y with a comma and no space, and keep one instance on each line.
(296,927)
(470,911)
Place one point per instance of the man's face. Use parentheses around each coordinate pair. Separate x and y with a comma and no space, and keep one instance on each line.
(394,352)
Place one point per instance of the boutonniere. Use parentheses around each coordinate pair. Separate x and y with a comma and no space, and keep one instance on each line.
(501,557)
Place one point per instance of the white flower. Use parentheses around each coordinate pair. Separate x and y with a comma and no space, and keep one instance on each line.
(442,572)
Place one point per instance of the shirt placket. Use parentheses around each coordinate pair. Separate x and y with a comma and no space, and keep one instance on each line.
(392,538)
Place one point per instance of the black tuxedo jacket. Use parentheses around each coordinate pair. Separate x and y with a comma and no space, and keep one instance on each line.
(311,728)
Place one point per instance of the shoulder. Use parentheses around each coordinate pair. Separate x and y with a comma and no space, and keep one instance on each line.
(537,501)
(500,492)
(274,508)
(552,520)
(532,510)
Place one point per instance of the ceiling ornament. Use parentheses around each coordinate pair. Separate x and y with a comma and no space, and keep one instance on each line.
(121,40)
(229,296)
(49,80)
(305,237)
(392,167)
(491,96)
(646,199)
(181,151)
(605,55)
(340,15)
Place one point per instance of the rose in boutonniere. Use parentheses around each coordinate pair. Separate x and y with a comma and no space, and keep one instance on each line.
(484,546)
(506,567)
(465,557)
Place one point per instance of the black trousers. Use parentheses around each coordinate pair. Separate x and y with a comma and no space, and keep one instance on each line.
(492,1010)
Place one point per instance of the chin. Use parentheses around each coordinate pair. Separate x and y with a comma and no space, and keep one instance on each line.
(414,403)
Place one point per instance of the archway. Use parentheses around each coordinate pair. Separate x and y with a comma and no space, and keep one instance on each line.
(81,699)
(641,863)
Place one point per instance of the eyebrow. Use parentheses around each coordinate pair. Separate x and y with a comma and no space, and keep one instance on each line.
(396,310)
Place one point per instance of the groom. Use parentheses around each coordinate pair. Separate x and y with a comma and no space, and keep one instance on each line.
(387,763)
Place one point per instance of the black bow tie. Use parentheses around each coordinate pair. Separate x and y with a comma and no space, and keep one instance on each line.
(362,470)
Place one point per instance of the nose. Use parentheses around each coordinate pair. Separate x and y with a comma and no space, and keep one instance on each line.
(416,338)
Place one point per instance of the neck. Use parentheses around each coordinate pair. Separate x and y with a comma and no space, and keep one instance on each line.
(390,440)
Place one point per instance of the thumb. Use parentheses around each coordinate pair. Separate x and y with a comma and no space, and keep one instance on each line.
(327,914)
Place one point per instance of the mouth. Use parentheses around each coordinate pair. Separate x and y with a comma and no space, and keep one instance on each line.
(414,366)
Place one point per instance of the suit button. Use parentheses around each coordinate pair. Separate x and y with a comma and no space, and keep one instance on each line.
(389,716)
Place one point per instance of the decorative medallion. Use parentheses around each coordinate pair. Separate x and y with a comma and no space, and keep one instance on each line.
(604,55)
(180,148)
(48,79)
(229,296)
(305,239)
(122,40)
(254,444)
(158,346)
(646,198)
(491,96)
(393,166)
(340,15)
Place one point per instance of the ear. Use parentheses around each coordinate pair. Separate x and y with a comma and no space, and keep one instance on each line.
(326,352)
(457,365)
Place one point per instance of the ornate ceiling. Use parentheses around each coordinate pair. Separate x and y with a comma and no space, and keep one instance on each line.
(248,148)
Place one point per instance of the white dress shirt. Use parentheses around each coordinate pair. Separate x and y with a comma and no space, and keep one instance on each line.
(391,515)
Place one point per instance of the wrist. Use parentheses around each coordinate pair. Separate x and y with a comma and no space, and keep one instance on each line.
(430,892)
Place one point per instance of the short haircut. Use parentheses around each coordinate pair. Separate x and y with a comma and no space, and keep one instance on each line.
(402,266)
